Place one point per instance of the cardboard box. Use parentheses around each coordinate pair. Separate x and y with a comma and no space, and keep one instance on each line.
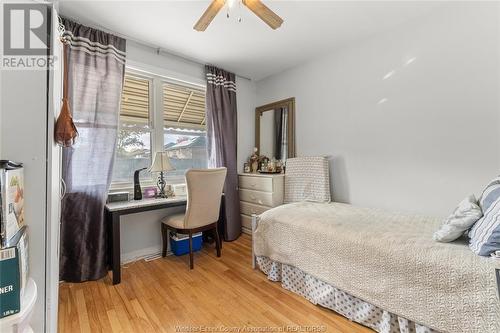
(13,273)
(11,200)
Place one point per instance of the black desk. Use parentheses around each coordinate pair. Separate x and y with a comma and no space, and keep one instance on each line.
(113,212)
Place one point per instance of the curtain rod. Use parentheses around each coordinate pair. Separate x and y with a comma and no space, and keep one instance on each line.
(156,48)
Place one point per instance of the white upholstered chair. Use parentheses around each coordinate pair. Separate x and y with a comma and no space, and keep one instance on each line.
(204,192)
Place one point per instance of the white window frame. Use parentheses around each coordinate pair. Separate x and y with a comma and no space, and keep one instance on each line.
(157,77)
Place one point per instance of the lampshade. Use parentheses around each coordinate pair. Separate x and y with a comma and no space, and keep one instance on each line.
(161,162)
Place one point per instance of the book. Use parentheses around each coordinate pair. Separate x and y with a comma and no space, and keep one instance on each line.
(13,273)
(11,200)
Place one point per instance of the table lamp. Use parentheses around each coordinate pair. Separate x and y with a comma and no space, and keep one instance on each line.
(161,164)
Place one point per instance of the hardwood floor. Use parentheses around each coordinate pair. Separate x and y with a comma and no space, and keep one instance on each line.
(165,296)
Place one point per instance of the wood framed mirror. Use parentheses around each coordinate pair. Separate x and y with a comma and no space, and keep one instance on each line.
(275,129)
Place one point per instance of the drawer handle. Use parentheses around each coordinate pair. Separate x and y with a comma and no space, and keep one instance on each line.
(253,185)
(253,197)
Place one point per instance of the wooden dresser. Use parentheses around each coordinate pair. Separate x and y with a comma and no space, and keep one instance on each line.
(258,193)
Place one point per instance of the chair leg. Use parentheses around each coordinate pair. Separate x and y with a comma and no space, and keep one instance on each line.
(164,237)
(217,241)
(191,265)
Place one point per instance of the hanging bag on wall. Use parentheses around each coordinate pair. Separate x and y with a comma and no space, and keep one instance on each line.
(65,130)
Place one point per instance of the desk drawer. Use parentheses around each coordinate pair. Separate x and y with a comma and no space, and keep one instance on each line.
(261,198)
(256,183)
(248,208)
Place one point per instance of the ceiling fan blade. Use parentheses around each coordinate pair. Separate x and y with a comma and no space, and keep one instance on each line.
(264,13)
(209,15)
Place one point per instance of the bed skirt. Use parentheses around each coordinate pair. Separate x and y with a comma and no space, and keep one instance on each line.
(321,293)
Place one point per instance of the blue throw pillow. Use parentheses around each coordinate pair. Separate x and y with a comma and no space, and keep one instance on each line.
(485,234)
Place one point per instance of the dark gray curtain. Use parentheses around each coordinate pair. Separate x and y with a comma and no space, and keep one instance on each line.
(96,64)
(278,133)
(222,140)
(281,133)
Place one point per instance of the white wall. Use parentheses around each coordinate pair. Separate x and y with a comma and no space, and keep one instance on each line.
(167,64)
(422,138)
(246,102)
(140,233)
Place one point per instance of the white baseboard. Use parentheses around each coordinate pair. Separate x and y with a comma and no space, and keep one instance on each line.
(141,254)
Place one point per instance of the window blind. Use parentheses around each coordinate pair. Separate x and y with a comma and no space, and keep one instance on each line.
(183,106)
(135,100)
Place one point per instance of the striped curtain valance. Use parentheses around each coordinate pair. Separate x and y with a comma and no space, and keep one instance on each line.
(93,42)
(219,79)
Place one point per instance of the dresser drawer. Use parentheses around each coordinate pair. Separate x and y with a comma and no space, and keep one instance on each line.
(261,198)
(246,221)
(248,208)
(256,183)
(258,193)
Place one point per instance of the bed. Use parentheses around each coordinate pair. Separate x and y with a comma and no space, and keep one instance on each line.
(378,268)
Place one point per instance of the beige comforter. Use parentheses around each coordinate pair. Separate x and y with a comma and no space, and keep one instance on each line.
(386,259)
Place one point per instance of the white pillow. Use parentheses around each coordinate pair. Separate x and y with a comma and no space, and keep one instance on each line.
(307,179)
(465,215)
(485,234)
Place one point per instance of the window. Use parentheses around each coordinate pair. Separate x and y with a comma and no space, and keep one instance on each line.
(182,132)
(184,137)
(133,149)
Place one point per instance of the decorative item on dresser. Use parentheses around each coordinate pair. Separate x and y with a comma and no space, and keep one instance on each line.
(258,193)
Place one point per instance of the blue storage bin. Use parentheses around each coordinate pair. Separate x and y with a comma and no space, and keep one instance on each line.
(179,243)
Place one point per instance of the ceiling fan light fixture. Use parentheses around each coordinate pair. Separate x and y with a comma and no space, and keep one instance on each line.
(256,6)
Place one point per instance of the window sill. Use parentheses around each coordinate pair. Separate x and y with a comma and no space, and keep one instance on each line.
(128,187)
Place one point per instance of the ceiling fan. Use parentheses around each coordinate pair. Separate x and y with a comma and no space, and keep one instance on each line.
(256,6)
